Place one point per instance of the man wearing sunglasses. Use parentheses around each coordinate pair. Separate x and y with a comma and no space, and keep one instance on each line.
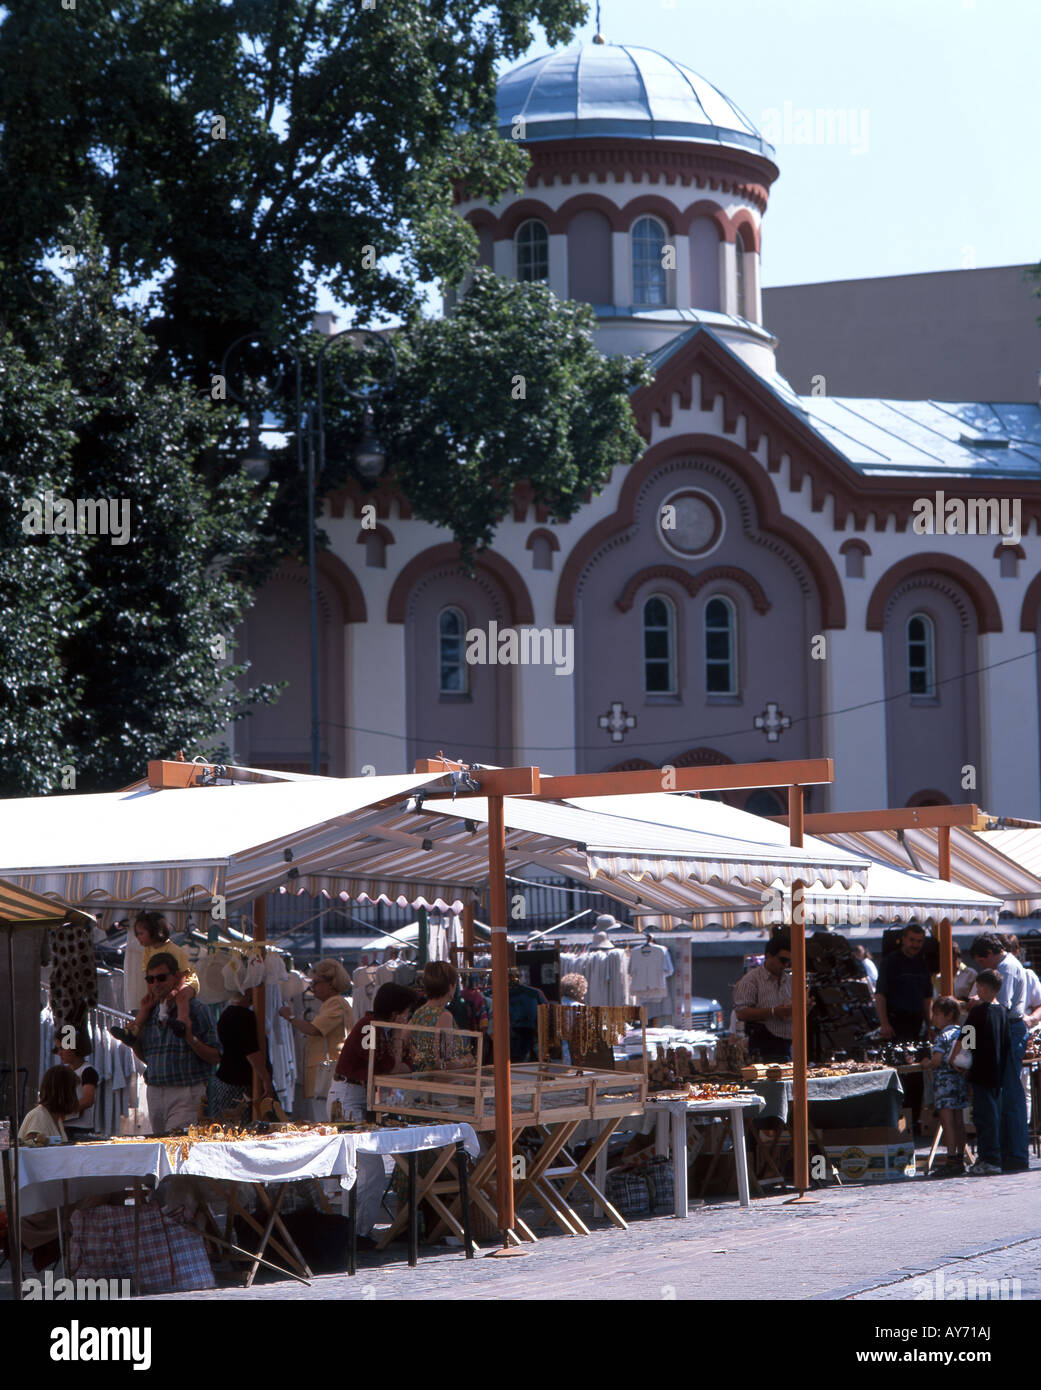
(763,1002)
(178,1067)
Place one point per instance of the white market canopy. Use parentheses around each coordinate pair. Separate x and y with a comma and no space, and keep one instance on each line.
(363,838)
(143,848)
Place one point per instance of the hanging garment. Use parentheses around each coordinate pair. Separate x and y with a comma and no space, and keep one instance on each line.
(74,974)
(648,973)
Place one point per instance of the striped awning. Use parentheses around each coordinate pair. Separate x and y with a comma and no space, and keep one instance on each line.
(980,860)
(22,910)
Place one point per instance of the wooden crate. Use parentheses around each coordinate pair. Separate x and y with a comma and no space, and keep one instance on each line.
(541,1092)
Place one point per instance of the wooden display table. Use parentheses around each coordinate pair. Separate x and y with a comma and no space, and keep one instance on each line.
(674,1136)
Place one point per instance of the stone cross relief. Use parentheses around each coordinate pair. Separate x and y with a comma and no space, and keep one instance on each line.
(617,721)
(772,721)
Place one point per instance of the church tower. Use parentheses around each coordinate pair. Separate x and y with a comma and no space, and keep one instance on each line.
(645,198)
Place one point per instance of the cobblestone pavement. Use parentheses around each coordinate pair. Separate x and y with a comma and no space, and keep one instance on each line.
(877,1242)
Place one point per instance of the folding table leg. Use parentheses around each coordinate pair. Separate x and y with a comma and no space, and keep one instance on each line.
(413,1211)
(737,1134)
(352,1230)
(460,1164)
(681,1195)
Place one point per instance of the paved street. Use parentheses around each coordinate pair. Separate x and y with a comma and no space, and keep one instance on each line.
(855,1242)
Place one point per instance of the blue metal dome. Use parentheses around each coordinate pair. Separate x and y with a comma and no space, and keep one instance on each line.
(607,90)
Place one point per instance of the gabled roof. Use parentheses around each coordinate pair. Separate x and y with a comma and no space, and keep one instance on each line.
(872,456)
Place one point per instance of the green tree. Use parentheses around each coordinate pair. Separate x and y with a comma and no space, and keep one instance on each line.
(510,389)
(122,634)
(244,152)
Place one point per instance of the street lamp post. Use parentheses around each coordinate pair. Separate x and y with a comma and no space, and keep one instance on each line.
(369,461)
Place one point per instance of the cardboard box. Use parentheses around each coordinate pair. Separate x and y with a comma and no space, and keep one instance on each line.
(870,1134)
(873,1162)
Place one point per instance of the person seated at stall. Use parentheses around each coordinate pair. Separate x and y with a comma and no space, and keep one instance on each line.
(79,1121)
(950,1091)
(46,1121)
(153,932)
(438,1051)
(179,1065)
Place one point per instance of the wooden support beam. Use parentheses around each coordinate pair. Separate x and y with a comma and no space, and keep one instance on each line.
(943,869)
(896,818)
(494,781)
(259,1000)
(500,1016)
(800,1106)
(807,772)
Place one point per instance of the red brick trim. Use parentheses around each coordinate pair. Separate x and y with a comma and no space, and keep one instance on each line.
(1028,614)
(742,222)
(384,533)
(854,543)
(381,497)
(712,212)
(927,796)
(504,228)
(768,512)
(736,172)
(694,583)
(439,556)
(1002,549)
(545,534)
(988,614)
(594,202)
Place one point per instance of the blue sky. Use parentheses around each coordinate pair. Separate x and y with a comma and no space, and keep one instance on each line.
(940,169)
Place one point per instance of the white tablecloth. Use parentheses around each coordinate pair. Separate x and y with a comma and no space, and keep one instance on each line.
(90,1169)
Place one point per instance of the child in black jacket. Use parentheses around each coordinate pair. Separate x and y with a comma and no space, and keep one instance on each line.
(985,1034)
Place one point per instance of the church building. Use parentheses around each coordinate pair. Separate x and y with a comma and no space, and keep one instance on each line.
(780,575)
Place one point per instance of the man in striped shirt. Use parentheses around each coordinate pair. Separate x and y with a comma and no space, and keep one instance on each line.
(763,1002)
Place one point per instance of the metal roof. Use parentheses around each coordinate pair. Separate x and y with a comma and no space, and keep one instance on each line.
(608,90)
(967,439)
(889,438)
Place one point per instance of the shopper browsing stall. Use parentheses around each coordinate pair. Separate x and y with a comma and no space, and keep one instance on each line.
(986,1035)
(393,1004)
(241,1059)
(153,932)
(950,1091)
(179,1067)
(989,952)
(326,1033)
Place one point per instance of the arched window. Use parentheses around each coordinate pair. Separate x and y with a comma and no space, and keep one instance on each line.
(659,646)
(650,283)
(921,655)
(451,636)
(720,647)
(532,243)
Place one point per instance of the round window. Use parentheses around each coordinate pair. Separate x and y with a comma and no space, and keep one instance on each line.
(690,524)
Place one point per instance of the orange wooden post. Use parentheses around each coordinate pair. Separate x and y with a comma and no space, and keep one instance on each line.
(501,1016)
(468,933)
(259,1000)
(800,1107)
(943,870)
